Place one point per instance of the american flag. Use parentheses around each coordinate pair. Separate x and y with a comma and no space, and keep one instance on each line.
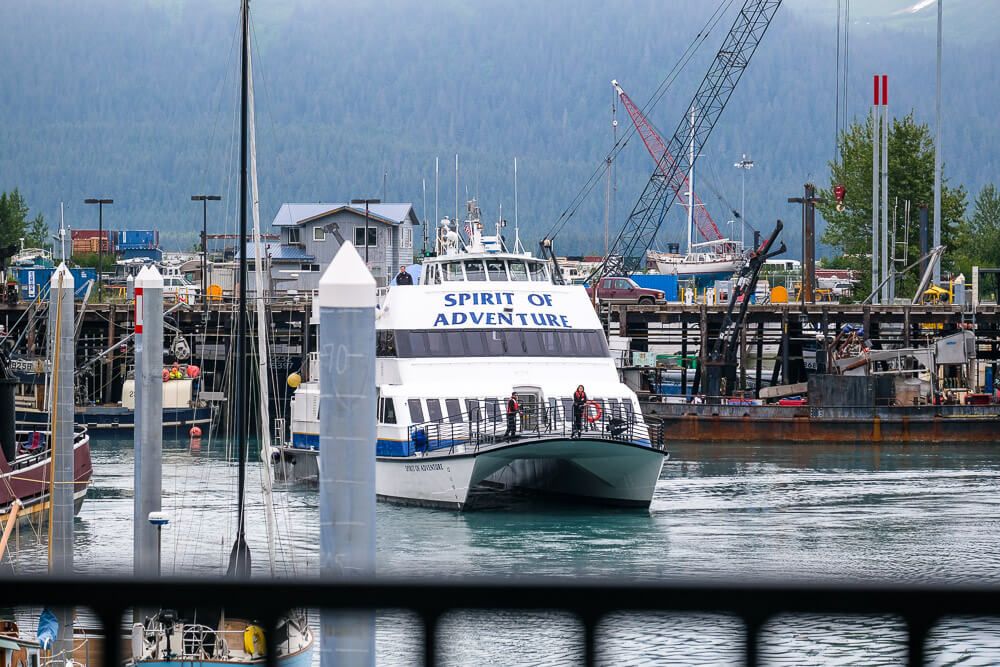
(468,229)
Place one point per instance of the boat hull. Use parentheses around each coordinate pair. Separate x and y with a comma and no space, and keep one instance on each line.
(115,418)
(29,483)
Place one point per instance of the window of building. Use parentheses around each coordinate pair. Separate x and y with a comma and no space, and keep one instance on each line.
(359,236)
(293,235)
(319,234)
(315,268)
(407,237)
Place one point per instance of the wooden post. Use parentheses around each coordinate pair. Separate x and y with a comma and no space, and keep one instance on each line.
(760,356)
(109,363)
(906,323)
(785,352)
(684,353)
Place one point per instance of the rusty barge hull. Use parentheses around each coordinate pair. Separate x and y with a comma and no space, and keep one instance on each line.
(943,424)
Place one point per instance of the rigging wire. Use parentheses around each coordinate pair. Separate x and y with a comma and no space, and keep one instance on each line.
(657,95)
(836,122)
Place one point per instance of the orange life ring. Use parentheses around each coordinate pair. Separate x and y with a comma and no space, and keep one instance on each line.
(592,415)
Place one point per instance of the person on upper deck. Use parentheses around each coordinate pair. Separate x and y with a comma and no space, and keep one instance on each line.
(403,278)
(579,406)
(513,407)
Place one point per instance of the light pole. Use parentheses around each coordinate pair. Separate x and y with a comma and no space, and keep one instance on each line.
(366,202)
(745,164)
(100,241)
(204,199)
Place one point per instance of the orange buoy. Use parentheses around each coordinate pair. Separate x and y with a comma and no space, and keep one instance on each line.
(166,375)
(193,371)
(195,432)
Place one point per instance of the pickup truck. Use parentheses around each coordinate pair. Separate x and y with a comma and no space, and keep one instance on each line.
(624,290)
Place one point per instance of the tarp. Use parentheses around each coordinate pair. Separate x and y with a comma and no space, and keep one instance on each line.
(48,629)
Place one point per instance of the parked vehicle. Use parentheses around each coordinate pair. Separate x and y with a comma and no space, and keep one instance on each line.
(178,289)
(624,290)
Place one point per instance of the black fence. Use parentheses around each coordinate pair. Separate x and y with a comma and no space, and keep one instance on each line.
(485,422)
(590,601)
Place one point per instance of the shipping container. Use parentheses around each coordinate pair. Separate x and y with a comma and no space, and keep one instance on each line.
(138,239)
(33,283)
(154,254)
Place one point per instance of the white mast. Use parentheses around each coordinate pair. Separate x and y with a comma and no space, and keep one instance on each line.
(262,365)
(690,192)
(62,232)
(517,232)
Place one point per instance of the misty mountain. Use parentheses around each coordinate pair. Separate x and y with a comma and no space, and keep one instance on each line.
(138,101)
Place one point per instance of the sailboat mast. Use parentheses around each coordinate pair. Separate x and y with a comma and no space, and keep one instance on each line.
(690,192)
(239,559)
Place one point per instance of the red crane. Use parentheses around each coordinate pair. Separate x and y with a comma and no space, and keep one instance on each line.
(678,179)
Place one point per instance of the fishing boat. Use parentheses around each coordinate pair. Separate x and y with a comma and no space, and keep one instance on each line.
(483,322)
(165,639)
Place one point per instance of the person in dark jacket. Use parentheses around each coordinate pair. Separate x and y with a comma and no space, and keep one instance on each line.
(403,278)
(579,406)
(513,408)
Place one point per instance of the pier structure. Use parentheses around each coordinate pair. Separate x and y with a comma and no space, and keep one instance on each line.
(785,334)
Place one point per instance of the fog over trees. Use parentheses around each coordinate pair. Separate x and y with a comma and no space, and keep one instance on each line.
(137,101)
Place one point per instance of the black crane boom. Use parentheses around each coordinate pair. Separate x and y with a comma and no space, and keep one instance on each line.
(637,235)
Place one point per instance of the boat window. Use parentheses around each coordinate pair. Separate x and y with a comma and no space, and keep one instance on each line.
(454,410)
(492,409)
(629,414)
(475,345)
(389,411)
(385,343)
(434,410)
(494,343)
(538,272)
(474,270)
(416,412)
(567,406)
(495,346)
(553,410)
(518,271)
(472,407)
(495,269)
(616,408)
(453,272)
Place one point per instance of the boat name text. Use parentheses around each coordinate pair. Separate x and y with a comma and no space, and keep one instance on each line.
(417,467)
(508,316)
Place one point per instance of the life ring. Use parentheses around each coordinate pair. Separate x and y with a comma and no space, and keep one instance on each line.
(592,415)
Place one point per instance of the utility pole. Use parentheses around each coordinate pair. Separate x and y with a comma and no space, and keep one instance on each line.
(204,199)
(937,151)
(744,165)
(100,241)
(808,202)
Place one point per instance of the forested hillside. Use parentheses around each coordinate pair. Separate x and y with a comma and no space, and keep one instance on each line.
(136,100)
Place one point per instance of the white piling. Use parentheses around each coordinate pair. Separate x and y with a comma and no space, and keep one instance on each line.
(148,432)
(347,449)
(63,353)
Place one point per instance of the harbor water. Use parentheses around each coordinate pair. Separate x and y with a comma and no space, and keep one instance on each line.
(721,512)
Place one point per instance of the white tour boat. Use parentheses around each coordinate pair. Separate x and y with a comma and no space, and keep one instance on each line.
(483,322)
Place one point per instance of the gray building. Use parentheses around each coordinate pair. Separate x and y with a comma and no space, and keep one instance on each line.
(311,234)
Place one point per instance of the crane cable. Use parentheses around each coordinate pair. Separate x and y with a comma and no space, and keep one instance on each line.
(657,95)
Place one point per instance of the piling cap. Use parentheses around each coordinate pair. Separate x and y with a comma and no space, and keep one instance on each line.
(66,275)
(149,278)
(347,282)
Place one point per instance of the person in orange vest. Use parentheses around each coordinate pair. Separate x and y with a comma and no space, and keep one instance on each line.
(513,407)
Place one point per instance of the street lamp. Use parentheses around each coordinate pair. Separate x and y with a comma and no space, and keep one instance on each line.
(204,199)
(745,164)
(366,202)
(100,241)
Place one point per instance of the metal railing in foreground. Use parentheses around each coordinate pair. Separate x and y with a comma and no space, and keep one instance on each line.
(919,606)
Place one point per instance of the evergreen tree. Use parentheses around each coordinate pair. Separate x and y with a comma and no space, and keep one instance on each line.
(911,177)
(979,237)
(13,214)
(38,233)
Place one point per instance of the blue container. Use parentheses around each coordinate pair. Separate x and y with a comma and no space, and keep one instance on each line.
(137,239)
(666,284)
(34,283)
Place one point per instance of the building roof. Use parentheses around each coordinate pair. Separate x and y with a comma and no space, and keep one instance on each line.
(290,215)
(281,252)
